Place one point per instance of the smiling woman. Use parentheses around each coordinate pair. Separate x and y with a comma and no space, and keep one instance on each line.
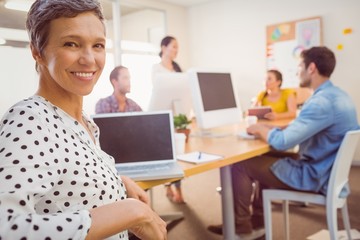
(72,60)
(54,178)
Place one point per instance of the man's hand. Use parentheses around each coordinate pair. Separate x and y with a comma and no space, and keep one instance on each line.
(259,130)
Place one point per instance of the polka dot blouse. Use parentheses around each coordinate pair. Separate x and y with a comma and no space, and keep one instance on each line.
(51,174)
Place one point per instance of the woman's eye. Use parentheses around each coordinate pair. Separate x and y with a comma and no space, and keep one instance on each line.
(70,44)
(100,45)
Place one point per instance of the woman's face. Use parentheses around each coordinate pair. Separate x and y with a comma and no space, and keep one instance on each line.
(171,50)
(271,81)
(74,56)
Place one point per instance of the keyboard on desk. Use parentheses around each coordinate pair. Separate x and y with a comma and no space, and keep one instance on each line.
(151,172)
(143,168)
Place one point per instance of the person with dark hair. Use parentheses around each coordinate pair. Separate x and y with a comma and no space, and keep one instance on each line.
(55,181)
(281,101)
(169,50)
(118,102)
(319,130)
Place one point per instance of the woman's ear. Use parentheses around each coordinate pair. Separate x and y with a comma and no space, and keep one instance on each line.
(35,53)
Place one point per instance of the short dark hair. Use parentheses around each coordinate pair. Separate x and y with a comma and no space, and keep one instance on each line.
(116,72)
(277,74)
(322,57)
(42,12)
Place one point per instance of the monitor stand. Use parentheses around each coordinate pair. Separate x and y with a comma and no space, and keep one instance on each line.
(211,133)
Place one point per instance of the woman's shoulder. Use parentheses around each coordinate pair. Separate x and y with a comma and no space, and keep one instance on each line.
(32,112)
(261,95)
(288,92)
(31,104)
(159,68)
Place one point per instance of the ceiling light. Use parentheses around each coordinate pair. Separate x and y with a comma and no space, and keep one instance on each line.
(19,5)
(2,41)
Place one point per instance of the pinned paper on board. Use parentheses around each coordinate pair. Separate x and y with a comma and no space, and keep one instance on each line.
(347,31)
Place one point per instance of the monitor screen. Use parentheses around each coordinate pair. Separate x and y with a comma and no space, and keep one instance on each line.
(214,98)
(171,91)
(216,91)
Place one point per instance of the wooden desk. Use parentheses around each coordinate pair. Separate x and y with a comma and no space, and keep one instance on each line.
(233,149)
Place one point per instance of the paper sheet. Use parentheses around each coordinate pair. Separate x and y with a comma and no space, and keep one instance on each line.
(198,157)
(324,235)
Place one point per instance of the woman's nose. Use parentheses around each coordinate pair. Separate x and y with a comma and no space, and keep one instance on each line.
(87,56)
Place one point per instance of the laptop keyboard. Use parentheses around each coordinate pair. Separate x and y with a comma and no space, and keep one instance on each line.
(144,168)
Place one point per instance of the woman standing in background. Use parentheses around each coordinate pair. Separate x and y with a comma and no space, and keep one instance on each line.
(169,50)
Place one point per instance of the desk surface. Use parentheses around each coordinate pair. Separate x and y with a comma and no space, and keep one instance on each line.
(231,147)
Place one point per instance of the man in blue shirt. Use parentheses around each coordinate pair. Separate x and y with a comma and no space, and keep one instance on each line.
(318,130)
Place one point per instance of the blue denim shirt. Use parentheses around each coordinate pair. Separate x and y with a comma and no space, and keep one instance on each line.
(319,129)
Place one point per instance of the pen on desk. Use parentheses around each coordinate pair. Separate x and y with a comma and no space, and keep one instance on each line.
(199,156)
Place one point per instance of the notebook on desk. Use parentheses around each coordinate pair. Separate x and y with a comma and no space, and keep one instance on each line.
(142,144)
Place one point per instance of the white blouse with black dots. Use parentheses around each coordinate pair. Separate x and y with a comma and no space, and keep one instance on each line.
(51,174)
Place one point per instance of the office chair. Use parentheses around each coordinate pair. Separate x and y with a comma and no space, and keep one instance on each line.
(333,199)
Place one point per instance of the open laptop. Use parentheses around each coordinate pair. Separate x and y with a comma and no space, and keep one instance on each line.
(142,143)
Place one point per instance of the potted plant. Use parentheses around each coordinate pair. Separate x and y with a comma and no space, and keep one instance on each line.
(181,123)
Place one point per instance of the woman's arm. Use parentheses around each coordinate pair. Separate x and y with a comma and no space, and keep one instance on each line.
(130,214)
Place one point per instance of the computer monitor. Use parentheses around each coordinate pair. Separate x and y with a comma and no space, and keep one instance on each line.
(214,98)
(171,91)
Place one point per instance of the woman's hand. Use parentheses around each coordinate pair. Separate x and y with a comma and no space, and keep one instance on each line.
(271,116)
(134,191)
(131,214)
(153,228)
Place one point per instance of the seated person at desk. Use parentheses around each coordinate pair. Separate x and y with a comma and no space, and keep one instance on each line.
(55,181)
(118,102)
(282,101)
(319,129)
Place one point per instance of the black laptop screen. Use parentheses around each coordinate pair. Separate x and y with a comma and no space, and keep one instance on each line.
(136,138)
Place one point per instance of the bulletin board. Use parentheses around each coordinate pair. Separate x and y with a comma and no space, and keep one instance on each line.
(284,43)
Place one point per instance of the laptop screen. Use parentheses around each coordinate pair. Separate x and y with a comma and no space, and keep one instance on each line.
(137,137)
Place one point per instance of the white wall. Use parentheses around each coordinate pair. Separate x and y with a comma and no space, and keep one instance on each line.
(18,76)
(231,34)
(176,25)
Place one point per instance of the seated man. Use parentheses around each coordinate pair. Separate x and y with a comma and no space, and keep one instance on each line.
(319,130)
(118,102)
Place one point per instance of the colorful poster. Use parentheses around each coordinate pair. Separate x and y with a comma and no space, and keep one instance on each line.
(285,42)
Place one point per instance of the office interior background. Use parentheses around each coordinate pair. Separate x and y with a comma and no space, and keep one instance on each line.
(212,34)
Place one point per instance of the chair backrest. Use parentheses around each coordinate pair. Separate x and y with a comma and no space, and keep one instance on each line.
(340,170)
